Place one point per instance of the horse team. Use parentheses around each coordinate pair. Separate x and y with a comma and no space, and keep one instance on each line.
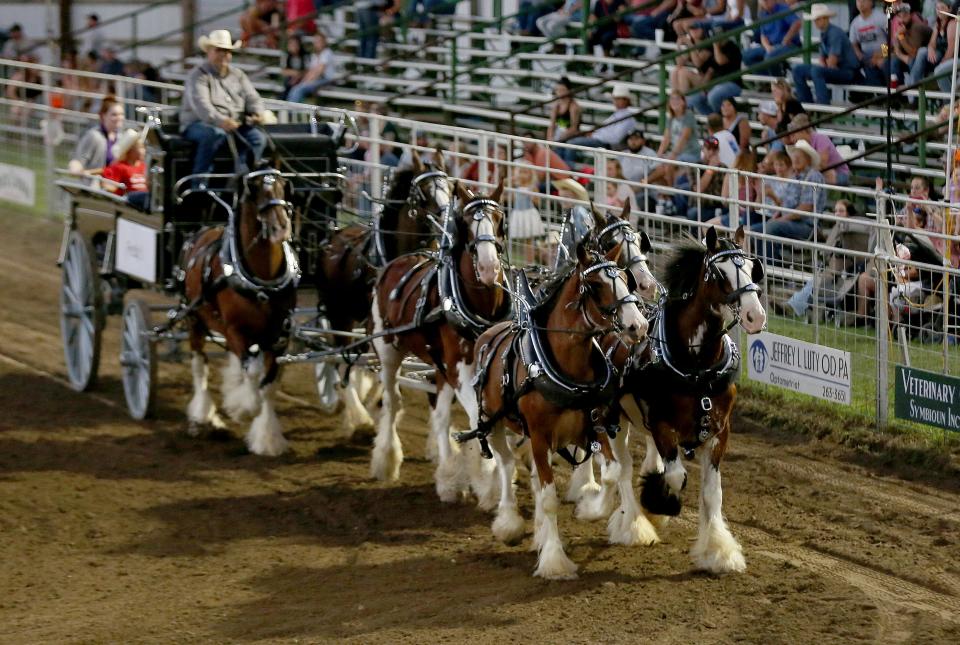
(566,368)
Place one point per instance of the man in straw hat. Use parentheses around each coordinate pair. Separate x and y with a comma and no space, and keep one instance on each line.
(219,101)
(614,128)
(838,62)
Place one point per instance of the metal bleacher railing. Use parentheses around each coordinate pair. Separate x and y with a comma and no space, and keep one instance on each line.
(918,327)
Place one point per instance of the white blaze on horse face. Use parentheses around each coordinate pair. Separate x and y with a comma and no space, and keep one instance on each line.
(488,260)
(441,194)
(752,316)
(634,323)
(646,283)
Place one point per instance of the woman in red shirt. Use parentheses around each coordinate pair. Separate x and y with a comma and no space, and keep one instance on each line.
(129,169)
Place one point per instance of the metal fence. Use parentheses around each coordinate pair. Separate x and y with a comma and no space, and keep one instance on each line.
(908,304)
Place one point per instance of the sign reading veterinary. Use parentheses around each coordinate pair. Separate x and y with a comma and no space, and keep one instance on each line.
(823,372)
(927,397)
(18,185)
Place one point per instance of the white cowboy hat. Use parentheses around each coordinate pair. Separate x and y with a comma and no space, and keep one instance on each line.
(806,148)
(846,151)
(819,11)
(769,108)
(219,38)
(124,142)
(268,118)
(621,91)
(573,186)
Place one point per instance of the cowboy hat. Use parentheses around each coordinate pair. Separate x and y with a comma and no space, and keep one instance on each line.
(573,186)
(807,149)
(769,108)
(219,38)
(621,91)
(819,10)
(124,142)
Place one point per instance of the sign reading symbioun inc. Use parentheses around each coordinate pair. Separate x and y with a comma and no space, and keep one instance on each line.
(823,372)
(927,397)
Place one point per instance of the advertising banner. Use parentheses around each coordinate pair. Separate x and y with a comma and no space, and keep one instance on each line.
(927,397)
(823,372)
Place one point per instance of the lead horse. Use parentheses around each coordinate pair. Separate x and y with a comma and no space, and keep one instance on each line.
(433,306)
(352,255)
(680,390)
(240,281)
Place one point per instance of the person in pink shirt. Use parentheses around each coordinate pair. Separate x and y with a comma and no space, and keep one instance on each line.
(839,172)
(544,157)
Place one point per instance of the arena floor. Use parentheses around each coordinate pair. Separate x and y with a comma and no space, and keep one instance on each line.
(117,531)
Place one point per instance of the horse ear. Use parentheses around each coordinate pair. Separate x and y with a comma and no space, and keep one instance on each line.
(439,162)
(417,162)
(625,213)
(739,236)
(598,221)
(498,191)
(712,239)
(645,245)
(583,255)
(462,193)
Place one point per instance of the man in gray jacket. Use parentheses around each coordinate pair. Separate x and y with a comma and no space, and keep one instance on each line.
(219,101)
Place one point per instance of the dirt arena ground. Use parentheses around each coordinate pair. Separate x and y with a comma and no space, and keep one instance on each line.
(113,531)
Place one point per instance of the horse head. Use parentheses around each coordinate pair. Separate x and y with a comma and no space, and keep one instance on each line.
(615,231)
(605,297)
(430,191)
(264,194)
(734,279)
(482,223)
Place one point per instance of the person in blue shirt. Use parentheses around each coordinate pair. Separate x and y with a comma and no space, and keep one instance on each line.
(838,62)
(775,38)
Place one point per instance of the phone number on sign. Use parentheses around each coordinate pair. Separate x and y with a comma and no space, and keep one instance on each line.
(834,394)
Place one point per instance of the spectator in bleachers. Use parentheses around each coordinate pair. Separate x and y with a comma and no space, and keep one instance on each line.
(838,61)
(416,15)
(679,142)
(321,71)
(261,20)
(618,193)
(293,65)
(735,15)
(787,104)
(94,149)
(530,12)
(794,226)
(555,24)
(728,147)
(634,168)
(767,113)
(691,11)
(839,173)
(747,190)
(717,61)
(219,101)
(129,168)
(781,194)
(911,33)
(645,26)
(526,224)
(937,56)
(300,17)
(20,113)
(16,44)
(604,27)
(91,40)
(368,14)
(708,183)
(109,63)
(777,38)
(564,113)
(544,157)
(868,35)
(736,122)
(614,128)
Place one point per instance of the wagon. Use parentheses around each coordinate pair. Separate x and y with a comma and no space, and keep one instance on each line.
(110,248)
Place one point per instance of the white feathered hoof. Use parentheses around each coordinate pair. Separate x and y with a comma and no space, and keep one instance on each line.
(241,401)
(631,530)
(265,437)
(595,506)
(508,527)
(554,563)
(576,493)
(717,551)
(447,479)
(386,459)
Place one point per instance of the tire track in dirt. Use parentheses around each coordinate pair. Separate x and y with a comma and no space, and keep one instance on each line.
(13,362)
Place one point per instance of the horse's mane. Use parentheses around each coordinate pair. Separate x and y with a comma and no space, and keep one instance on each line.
(401,183)
(683,267)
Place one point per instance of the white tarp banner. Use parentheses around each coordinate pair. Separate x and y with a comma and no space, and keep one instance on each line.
(18,185)
(137,250)
(823,372)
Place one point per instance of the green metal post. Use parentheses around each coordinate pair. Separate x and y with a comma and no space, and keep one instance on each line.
(584,32)
(922,125)
(663,95)
(807,37)
(498,14)
(453,70)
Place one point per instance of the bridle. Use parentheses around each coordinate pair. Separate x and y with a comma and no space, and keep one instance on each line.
(628,257)
(713,272)
(611,311)
(419,199)
(270,178)
(479,210)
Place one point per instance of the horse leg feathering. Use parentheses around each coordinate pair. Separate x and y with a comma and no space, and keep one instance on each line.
(716,550)
(265,436)
(387,450)
(508,527)
(201,411)
(628,525)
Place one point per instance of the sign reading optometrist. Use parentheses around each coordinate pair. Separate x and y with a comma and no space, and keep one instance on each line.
(927,397)
(18,185)
(823,372)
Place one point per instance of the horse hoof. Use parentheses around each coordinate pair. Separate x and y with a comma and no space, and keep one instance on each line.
(625,530)
(718,553)
(576,493)
(508,527)
(555,565)
(594,506)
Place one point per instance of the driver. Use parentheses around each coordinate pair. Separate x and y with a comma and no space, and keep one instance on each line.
(219,100)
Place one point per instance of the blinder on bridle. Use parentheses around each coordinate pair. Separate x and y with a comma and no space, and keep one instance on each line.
(606,242)
(270,177)
(418,197)
(738,257)
(612,271)
(479,210)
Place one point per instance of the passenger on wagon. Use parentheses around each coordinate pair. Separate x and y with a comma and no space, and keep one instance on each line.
(93,150)
(219,101)
(129,169)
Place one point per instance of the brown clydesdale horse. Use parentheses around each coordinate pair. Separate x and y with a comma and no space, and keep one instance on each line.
(680,390)
(442,302)
(547,379)
(240,281)
(349,260)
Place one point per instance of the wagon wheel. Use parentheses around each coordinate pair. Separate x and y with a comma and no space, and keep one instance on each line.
(328,378)
(81,313)
(138,360)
